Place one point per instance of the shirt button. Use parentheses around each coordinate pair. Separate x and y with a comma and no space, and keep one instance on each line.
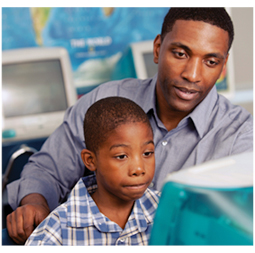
(164,143)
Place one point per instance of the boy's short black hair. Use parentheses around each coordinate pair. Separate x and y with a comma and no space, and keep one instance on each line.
(214,16)
(107,114)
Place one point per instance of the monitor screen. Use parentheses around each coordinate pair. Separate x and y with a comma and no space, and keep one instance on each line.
(32,88)
(150,66)
(37,88)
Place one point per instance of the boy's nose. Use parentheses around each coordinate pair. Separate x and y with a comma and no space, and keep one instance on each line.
(138,171)
(137,168)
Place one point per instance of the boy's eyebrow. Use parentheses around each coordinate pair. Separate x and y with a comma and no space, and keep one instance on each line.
(187,49)
(124,145)
(149,142)
(118,145)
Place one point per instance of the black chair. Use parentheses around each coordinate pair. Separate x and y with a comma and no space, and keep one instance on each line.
(12,172)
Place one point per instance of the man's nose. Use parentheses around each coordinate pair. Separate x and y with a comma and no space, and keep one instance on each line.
(192,70)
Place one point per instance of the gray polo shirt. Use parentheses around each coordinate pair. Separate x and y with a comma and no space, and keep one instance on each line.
(214,129)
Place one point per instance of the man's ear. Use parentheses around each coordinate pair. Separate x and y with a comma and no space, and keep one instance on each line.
(224,65)
(89,159)
(156,48)
(226,60)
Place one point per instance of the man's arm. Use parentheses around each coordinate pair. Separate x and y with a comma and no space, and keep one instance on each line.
(54,170)
(21,222)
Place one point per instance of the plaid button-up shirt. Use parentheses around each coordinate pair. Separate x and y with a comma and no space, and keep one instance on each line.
(79,221)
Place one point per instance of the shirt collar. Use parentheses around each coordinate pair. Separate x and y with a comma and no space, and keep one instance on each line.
(149,99)
(83,212)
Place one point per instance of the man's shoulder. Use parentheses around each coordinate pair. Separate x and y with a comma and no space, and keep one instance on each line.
(236,113)
(125,87)
(134,89)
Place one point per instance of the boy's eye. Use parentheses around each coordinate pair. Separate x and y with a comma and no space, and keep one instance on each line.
(121,157)
(149,153)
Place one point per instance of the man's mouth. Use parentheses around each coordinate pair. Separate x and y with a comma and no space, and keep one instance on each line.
(185,94)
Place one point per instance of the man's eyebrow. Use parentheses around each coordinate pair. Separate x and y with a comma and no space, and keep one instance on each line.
(179,44)
(187,49)
(216,55)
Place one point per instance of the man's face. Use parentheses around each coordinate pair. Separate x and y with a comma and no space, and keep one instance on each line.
(190,60)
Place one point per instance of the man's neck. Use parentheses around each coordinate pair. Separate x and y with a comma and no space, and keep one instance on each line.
(169,117)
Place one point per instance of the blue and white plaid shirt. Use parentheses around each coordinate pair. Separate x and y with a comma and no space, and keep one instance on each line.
(79,221)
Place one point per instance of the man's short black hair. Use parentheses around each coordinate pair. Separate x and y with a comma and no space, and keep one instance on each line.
(107,114)
(214,16)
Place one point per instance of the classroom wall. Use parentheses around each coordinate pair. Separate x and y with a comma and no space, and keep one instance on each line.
(243,56)
(243,47)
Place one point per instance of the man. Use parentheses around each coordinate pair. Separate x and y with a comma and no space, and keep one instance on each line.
(191,122)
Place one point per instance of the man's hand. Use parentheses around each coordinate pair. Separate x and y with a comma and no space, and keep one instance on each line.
(21,222)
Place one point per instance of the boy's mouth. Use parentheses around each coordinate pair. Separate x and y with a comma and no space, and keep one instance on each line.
(136,186)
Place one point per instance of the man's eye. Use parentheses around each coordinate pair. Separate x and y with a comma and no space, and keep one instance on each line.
(180,55)
(211,63)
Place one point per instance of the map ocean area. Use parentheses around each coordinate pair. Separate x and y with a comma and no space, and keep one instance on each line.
(94,37)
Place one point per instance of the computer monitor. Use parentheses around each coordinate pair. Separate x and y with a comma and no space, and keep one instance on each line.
(37,88)
(143,59)
(208,204)
(137,62)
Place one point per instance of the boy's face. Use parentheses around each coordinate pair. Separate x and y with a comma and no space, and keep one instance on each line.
(125,162)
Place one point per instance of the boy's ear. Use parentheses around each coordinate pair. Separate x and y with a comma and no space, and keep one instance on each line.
(89,159)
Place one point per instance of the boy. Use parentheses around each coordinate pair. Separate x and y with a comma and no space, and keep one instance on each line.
(114,206)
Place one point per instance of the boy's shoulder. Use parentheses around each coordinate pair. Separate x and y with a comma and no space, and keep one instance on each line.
(150,199)
(153,192)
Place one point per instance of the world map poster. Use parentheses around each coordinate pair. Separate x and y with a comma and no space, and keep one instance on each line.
(95,38)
